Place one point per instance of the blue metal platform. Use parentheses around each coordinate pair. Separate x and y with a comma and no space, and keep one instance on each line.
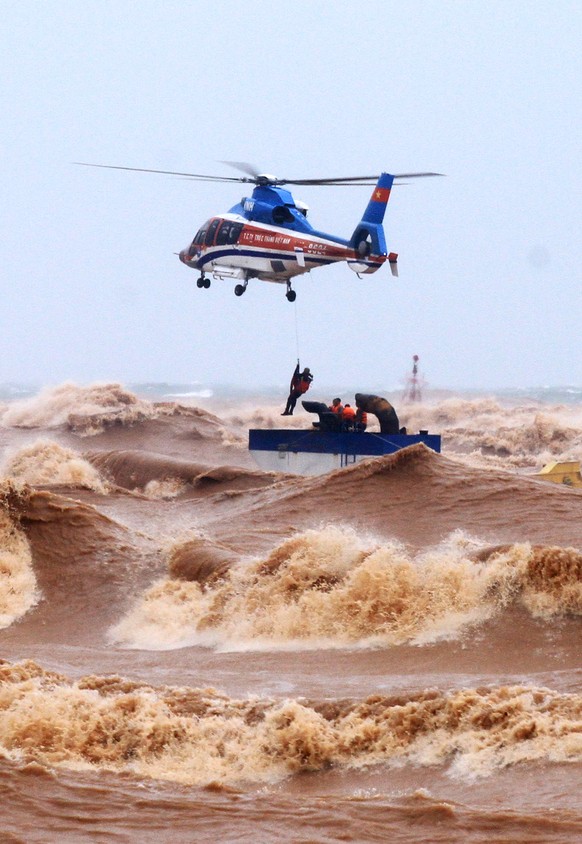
(288,449)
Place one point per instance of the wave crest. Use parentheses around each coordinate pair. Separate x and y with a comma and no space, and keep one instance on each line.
(45,462)
(195,736)
(18,590)
(68,402)
(488,433)
(92,409)
(331,588)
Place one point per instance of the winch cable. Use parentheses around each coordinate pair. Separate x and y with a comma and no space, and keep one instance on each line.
(296,331)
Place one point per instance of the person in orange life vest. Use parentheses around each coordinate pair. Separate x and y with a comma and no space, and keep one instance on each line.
(300,383)
(337,407)
(361,420)
(348,417)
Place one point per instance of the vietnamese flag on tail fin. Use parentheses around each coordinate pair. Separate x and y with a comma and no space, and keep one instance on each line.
(374,213)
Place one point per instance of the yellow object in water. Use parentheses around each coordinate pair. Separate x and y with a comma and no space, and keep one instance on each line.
(561,473)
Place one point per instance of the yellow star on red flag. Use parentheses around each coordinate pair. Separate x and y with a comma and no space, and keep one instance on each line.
(381,195)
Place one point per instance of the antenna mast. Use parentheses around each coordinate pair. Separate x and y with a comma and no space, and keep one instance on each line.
(413,383)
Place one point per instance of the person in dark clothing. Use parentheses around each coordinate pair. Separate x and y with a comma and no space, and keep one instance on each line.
(300,383)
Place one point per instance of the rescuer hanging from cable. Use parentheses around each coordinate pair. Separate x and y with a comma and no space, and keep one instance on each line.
(300,383)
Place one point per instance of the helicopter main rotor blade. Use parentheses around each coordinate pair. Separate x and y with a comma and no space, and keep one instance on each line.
(353,180)
(416,175)
(340,180)
(198,176)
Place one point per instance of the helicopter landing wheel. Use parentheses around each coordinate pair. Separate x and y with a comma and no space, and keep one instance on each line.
(202,282)
(291,295)
(239,289)
(206,283)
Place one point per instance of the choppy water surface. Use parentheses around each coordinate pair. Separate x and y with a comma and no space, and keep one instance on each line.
(193,649)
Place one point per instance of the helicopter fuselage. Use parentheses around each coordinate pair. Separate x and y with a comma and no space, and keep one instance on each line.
(267,236)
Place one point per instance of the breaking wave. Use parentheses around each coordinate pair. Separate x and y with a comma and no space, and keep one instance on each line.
(45,462)
(484,430)
(92,409)
(69,404)
(331,588)
(194,736)
(18,591)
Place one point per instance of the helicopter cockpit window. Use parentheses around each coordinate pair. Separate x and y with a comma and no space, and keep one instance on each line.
(209,239)
(222,236)
(199,237)
(235,230)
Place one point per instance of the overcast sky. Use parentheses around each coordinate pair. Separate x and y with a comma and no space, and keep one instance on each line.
(489,93)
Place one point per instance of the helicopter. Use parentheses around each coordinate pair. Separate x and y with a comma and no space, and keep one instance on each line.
(267,236)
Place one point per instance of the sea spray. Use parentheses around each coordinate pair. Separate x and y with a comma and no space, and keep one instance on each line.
(18,590)
(54,405)
(45,462)
(332,588)
(89,410)
(200,736)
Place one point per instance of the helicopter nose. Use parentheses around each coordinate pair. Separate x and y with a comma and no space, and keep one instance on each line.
(183,254)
